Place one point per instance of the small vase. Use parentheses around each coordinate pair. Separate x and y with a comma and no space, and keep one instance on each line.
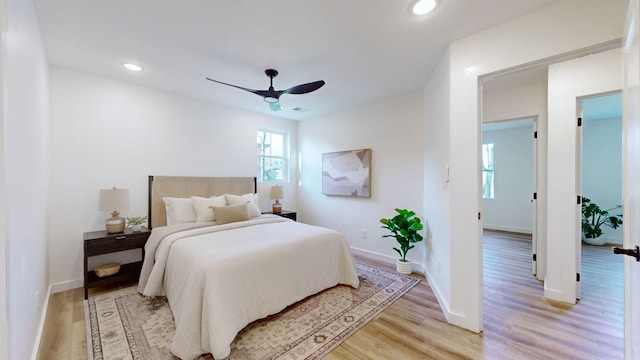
(403,267)
(136,228)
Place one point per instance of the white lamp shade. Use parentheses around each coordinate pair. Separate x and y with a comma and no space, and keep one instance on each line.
(276,192)
(113,200)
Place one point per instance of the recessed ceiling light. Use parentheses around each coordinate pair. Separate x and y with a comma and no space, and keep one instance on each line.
(422,7)
(132,67)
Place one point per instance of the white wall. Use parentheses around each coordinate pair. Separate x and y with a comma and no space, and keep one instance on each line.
(436,186)
(393,130)
(602,168)
(569,80)
(516,101)
(565,27)
(511,207)
(25,168)
(107,133)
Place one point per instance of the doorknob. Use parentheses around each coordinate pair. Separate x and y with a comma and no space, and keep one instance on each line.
(631,252)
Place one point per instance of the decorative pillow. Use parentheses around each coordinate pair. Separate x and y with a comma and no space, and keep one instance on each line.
(231,213)
(252,201)
(179,210)
(203,205)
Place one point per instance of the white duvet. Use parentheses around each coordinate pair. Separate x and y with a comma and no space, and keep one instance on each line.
(220,278)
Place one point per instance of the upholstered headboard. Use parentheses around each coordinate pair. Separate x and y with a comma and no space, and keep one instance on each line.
(185,186)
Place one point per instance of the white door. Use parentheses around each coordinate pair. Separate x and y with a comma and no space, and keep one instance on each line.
(631,179)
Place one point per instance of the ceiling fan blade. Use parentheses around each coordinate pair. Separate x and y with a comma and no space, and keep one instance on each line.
(271,95)
(275,106)
(305,88)
(257,92)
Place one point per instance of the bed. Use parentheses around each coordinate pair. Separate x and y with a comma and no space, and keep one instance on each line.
(220,275)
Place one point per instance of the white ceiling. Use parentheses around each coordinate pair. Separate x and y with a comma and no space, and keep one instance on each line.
(365,50)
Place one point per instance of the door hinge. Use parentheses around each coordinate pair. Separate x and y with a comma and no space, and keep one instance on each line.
(579,199)
(535,196)
(579,121)
(578,277)
(478,216)
(535,134)
(535,258)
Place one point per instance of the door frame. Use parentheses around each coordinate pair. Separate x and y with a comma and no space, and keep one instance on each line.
(631,173)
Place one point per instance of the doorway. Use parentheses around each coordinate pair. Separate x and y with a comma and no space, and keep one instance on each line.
(508,175)
(601,181)
(602,160)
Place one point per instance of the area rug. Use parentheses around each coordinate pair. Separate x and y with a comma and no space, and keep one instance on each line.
(126,325)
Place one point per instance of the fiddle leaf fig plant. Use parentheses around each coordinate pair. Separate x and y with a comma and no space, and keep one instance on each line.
(593,218)
(404,227)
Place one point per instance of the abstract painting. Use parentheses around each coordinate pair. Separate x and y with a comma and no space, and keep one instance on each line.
(347,173)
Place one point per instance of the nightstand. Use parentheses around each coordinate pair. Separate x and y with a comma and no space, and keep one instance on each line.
(285,213)
(99,242)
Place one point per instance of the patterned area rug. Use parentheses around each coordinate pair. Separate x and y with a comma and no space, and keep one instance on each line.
(126,325)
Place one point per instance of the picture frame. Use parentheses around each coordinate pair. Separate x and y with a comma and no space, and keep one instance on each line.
(347,173)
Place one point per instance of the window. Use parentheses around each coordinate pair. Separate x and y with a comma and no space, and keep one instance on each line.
(487,171)
(273,156)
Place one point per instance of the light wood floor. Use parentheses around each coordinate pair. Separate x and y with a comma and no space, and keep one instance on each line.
(518,322)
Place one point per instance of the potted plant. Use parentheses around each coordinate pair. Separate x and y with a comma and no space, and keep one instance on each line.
(136,222)
(593,218)
(404,227)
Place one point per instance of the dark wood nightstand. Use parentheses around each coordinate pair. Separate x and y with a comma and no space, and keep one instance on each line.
(285,213)
(99,242)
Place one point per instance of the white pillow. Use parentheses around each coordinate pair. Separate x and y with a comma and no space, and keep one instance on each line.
(252,201)
(202,206)
(179,210)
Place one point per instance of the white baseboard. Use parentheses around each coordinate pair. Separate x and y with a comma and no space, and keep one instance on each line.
(451,317)
(444,306)
(43,317)
(417,268)
(67,285)
(507,228)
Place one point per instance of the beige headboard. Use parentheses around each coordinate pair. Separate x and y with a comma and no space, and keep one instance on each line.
(184,186)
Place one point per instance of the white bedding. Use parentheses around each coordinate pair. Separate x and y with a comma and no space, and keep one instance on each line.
(219,278)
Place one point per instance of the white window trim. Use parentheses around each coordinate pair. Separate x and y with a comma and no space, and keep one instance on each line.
(286,157)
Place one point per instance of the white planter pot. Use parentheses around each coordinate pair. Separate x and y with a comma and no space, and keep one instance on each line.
(136,228)
(601,240)
(403,267)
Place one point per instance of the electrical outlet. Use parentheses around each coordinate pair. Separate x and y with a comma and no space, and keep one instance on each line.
(363,234)
(37,301)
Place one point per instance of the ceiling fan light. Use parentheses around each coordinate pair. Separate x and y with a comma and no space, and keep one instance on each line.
(423,7)
(132,67)
(271,99)
(275,106)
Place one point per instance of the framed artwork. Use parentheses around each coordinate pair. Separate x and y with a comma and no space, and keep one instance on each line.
(347,173)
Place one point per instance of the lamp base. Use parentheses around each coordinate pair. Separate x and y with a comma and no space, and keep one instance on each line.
(115,224)
(277,207)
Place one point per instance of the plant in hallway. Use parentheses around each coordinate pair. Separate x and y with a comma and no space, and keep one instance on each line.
(404,227)
(593,218)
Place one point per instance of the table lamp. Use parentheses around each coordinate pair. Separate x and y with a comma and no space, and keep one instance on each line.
(276,194)
(114,200)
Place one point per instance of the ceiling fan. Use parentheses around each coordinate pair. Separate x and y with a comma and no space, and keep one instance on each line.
(272,96)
